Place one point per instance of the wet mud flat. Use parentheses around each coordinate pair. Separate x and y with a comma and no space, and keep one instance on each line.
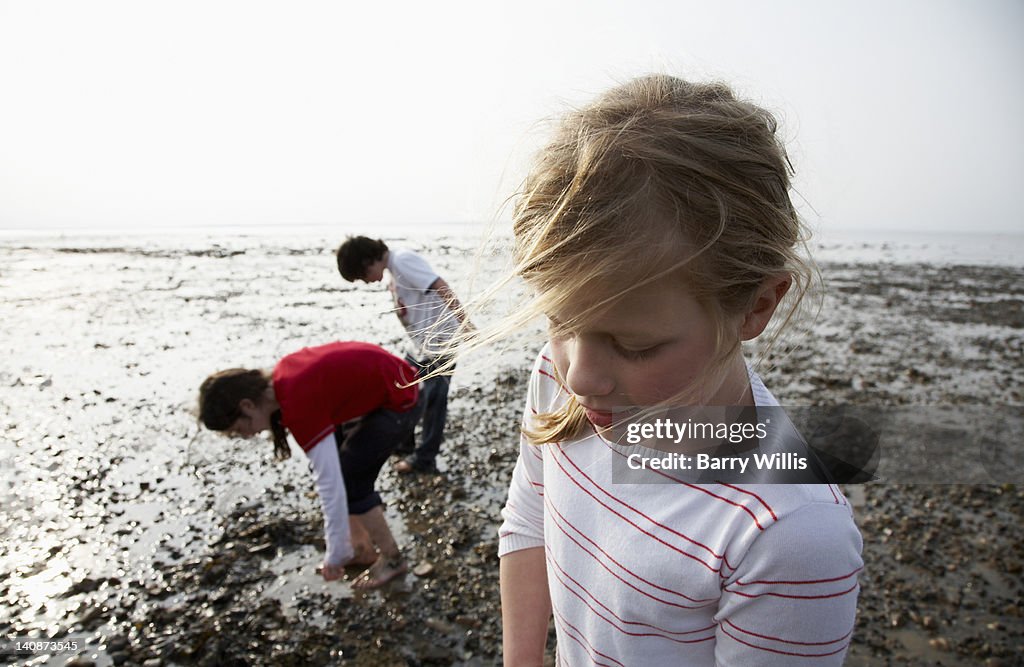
(158,544)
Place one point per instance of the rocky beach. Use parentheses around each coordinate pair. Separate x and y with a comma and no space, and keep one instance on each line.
(154,543)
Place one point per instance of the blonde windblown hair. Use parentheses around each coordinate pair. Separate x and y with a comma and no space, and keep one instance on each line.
(658,177)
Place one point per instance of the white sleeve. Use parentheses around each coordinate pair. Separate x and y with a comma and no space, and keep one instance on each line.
(523,515)
(412,271)
(793,596)
(330,486)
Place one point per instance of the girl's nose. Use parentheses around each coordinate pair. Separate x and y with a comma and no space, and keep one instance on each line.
(589,372)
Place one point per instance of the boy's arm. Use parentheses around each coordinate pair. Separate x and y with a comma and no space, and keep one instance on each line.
(446,293)
(525,607)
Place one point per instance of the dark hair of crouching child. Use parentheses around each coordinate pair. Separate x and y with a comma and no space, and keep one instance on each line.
(220,397)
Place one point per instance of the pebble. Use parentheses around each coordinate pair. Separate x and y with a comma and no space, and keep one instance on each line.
(438,625)
(261,548)
(80,661)
(468,621)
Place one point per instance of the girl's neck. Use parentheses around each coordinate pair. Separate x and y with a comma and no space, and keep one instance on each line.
(735,388)
(270,399)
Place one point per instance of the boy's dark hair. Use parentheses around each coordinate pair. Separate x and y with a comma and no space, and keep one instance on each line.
(357,253)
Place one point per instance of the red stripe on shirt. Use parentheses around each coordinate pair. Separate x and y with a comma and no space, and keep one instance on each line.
(634,634)
(607,507)
(554,563)
(588,647)
(663,526)
(561,386)
(751,493)
(696,487)
(630,507)
(747,510)
(797,583)
(772,650)
(787,641)
(609,570)
(793,597)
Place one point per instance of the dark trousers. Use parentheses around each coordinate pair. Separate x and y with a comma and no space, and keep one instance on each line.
(433,407)
(364,445)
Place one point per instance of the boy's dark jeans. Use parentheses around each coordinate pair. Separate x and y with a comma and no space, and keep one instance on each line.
(433,406)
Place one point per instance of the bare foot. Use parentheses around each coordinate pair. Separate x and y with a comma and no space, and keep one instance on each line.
(365,555)
(380,573)
(361,562)
(403,467)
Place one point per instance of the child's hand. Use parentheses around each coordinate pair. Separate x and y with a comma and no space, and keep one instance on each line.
(332,572)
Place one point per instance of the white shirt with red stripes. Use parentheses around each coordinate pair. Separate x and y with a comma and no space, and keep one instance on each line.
(678,573)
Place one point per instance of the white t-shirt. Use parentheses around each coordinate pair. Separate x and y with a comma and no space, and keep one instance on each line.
(422,311)
(678,573)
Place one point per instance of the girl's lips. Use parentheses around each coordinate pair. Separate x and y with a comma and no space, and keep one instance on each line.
(599,418)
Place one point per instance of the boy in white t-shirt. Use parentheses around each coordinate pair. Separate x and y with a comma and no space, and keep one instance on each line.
(431,314)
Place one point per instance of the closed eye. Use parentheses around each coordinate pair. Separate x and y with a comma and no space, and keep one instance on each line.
(634,354)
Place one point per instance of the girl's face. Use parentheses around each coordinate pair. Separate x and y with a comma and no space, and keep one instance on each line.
(654,343)
(255,418)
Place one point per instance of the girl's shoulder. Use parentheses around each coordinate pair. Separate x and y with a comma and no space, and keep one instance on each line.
(782,500)
(763,397)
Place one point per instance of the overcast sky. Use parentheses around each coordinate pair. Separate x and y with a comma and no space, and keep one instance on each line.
(899,115)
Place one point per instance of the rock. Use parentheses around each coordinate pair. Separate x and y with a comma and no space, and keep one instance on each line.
(423,569)
(438,625)
(261,548)
(468,621)
(79,661)
(90,615)
(87,585)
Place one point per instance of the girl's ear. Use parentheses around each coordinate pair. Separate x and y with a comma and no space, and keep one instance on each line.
(765,302)
(246,406)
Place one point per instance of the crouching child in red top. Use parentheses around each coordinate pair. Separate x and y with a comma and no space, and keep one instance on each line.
(348,405)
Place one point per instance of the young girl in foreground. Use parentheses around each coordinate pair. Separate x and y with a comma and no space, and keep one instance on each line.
(348,405)
(657,233)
